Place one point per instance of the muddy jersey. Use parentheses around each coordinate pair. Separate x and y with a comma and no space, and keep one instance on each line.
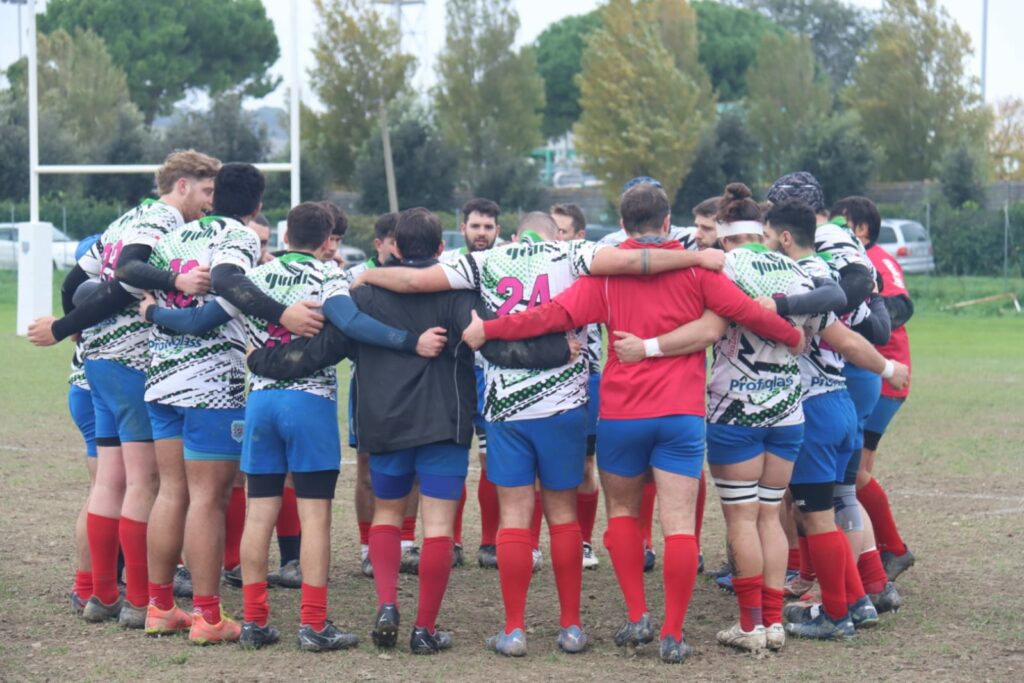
(821,366)
(288,279)
(756,382)
(512,278)
(685,236)
(203,370)
(124,336)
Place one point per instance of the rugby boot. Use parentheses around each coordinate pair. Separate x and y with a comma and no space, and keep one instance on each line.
(863,614)
(385,626)
(423,642)
(822,627)
(182,582)
(797,587)
(254,636)
(165,622)
(366,567)
(288,575)
(674,651)
(590,560)
(572,639)
(77,603)
(538,560)
(458,555)
(752,641)
(131,616)
(204,633)
(97,611)
(775,636)
(897,564)
(487,557)
(889,600)
(410,560)
(650,558)
(233,577)
(636,632)
(509,644)
(330,637)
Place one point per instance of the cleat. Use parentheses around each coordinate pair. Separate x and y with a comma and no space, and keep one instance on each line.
(458,555)
(538,560)
(232,577)
(288,575)
(509,644)
(797,587)
(165,622)
(897,564)
(801,612)
(863,614)
(674,651)
(725,569)
(487,557)
(724,583)
(751,641)
(182,582)
(77,603)
(131,616)
(572,640)
(822,627)
(203,632)
(635,633)
(775,636)
(649,558)
(791,574)
(423,642)
(96,611)
(385,626)
(590,560)
(410,560)
(889,600)
(330,637)
(366,567)
(700,563)
(254,636)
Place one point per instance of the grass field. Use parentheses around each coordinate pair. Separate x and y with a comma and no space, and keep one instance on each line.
(953,463)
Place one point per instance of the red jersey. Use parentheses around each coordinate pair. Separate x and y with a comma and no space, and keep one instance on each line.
(898,348)
(647,306)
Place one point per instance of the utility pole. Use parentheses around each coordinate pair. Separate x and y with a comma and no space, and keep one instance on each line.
(984,47)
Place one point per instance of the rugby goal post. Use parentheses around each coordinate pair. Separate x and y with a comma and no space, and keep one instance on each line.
(35,238)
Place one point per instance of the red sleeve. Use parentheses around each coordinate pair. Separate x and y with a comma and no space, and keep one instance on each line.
(533,322)
(892,274)
(585,301)
(723,297)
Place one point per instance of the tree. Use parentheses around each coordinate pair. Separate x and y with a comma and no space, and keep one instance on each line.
(962,177)
(911,90)
(559,51)
(784,97)
(225,131)
(836,152)
(837,30)
(729,39)
(489,98)
(645,103)
(170,47)
(1006,142)
(725,155)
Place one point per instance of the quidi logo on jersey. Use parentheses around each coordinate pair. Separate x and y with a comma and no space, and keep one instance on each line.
(773,266)
(275,280)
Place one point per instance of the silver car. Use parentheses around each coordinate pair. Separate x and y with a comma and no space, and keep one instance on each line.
(908,242)
(63,248)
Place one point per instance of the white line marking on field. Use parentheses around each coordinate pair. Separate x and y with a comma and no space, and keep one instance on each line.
(947,494)
(997,513)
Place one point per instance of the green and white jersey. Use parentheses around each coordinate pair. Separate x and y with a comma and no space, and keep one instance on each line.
(840,246)
(288,279)
(512,278)
(821,366)
(592,349)
(124,336)
(206,370)
(756,382)
(685,236)
(77,376)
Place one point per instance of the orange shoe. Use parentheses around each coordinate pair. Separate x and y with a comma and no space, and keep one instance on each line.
(165,622)
(205,633)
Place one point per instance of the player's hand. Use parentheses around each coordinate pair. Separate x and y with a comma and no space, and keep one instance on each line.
(195,282)
(432,342)
(359,281)
(575,346)
(767,302)
(145,303)
(474,335)
(628,347)
(302,318)
(900,376)
(40,331)
(711,259)
(801,345)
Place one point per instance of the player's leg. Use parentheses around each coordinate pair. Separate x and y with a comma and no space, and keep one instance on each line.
(84,416)
(487,498)
(783,447)
(234,522)
(289,540)
(364,510)
(458,554)
(587,498)
(410,551)
(650,495)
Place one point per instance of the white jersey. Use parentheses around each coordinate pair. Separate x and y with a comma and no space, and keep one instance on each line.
(288,279)
(77,376)
(592,349)
(840,247)
(685,236)
(511,278)
(124,336)
(821,366)
(756,382)
(205,370)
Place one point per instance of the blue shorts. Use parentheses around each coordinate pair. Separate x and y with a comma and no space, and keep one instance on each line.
(118,398)
(208,434)
(290,431)
(830,426)
(84,416)
(865,388)
(441,468)
(551,448)
(593,401)
(730,444)
(882,415)
(673,443)
(478,420)
(352,442)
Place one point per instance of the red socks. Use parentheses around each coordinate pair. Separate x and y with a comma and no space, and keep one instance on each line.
(364,533)
(567,563)
(806,564)
(647,512)
(748,595)
(702,494)
(586,513)
(161,595)
(288,518)
(515,569)
(535,521)
(313,607)
(487,496)
(254,603)
(208,606)
(875,502)
(457,532)
(409,529)
(829,558)
(854,587)
(872,573)
(103,543)
(771,605)
(793,559)
(386,556)
(679,572)
(234,522)
(435,568)
(83,584)
(133,544)
(625,547)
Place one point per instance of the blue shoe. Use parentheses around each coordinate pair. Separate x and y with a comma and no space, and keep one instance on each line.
(572,640)
(823,627)
(509,644)
(863,614)
(674,651)
(649,558)
(889,600)
(724,582)
(636,632)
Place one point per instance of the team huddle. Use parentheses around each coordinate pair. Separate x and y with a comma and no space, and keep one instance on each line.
(204,382)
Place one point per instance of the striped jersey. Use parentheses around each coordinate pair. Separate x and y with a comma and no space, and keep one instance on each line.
(821,366)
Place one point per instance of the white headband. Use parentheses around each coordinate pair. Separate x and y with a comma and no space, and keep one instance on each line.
(740,228)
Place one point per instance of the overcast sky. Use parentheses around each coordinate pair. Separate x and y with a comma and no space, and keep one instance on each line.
(424,35)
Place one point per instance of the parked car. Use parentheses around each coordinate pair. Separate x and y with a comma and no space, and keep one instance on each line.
(909,243)
(352,256)
(63,248)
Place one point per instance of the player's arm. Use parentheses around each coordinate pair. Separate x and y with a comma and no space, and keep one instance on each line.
(231,284)
(134,270)
(901,309)
(877,327)
(692,337)
(341,310)
(861,353)
(827,296)
(653,261)
(194,320)
(541,353)
(723,297)
(857,285)
(108,298)
(581,304)
(406,280)
(302,356)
